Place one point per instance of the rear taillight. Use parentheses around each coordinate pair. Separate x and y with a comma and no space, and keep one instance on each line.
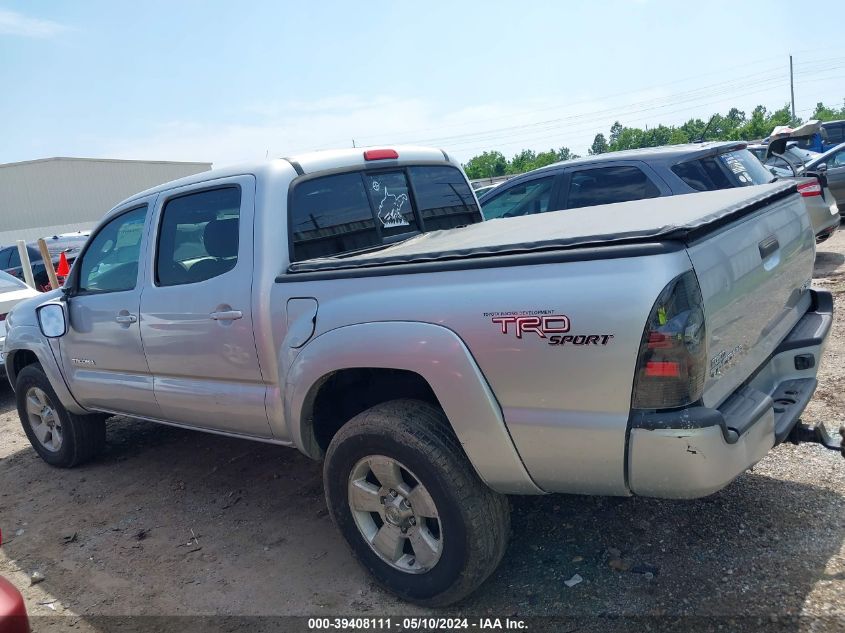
(809,189)
(672,361)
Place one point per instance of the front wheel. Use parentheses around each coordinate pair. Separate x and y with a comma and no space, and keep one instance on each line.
(60,437)
(410,505)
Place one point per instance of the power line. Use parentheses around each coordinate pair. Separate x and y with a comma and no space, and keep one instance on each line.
(501,140)
(607,114)
(687,79)
(550,126)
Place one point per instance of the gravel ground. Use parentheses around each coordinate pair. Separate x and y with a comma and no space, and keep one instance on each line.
(180,523)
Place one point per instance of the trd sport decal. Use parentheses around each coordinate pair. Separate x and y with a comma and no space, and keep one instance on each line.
(543,323)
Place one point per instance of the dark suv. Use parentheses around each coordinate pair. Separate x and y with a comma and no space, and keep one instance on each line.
(645,173)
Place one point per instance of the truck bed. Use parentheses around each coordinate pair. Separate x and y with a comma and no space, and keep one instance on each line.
(681,219)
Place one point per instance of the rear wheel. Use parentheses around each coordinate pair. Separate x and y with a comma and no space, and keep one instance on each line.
(410,505)
(61,438)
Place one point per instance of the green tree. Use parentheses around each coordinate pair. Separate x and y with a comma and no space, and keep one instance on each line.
(678,136)
(546,158)
(784,117)
(599,145)
(733,125)
(564,153)
(824,113)
(615,131)
(522,162)
(693,129)
(486,165)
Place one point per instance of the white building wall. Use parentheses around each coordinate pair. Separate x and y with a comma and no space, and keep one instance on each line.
(58,195)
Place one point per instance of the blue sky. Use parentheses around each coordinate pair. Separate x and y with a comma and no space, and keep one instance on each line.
(227,81)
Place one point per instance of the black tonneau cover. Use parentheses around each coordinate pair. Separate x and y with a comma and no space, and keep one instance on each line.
(682,218)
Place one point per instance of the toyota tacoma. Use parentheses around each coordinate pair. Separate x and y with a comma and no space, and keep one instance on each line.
(351,304)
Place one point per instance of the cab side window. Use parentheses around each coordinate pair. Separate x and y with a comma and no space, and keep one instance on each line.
(837,160)
(606,185)
(524,198)
(198,236)
(110,263)
(835,132)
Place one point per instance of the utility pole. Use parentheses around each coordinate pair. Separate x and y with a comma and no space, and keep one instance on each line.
(353,140)
(792,88)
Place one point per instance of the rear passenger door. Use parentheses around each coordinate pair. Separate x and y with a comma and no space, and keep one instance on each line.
(610,182)
(836,177)
(196,309)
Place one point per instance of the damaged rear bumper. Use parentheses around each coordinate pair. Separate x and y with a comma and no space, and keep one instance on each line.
(696,451)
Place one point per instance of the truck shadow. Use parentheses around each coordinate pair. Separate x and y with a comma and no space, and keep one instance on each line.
(827,262)
(168,518)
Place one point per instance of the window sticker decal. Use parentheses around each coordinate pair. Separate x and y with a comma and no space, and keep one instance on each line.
(390,209)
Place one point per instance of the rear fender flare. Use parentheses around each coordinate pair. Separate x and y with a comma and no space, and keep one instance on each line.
(441,358)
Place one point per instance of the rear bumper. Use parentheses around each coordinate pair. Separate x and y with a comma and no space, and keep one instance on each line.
(824,215)
(696,451)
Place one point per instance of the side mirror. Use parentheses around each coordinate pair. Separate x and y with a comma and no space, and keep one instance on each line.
(822,167)
(52,320)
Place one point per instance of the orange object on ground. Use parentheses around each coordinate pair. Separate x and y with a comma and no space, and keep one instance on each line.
(12,610)
(63,269)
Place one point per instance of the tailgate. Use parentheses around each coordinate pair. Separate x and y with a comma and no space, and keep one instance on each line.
(753,276)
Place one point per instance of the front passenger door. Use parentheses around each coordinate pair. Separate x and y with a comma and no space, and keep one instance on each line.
(101,351)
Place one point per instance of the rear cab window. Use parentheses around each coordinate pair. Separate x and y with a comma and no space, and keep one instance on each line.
(737,168)
(358,210)
(835,132)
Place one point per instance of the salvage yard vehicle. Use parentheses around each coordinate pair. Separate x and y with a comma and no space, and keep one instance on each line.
(832,165)
(352,304)
(647,173)
(12,292)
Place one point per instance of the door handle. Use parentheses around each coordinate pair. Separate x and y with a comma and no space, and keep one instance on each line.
(126,318)
(768,246)
(227,315)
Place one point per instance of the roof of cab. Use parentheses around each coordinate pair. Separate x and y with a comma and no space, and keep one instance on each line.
(306,163)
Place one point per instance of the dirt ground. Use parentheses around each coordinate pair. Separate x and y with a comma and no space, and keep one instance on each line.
(171,522)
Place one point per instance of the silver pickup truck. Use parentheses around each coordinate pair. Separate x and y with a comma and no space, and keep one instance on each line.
(352,305)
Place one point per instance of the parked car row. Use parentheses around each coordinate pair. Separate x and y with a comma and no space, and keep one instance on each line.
(651,173)
(12,291)
(819,136)
(69,245)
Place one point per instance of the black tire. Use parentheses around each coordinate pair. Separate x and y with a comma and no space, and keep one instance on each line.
(475,520)
(83,436)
